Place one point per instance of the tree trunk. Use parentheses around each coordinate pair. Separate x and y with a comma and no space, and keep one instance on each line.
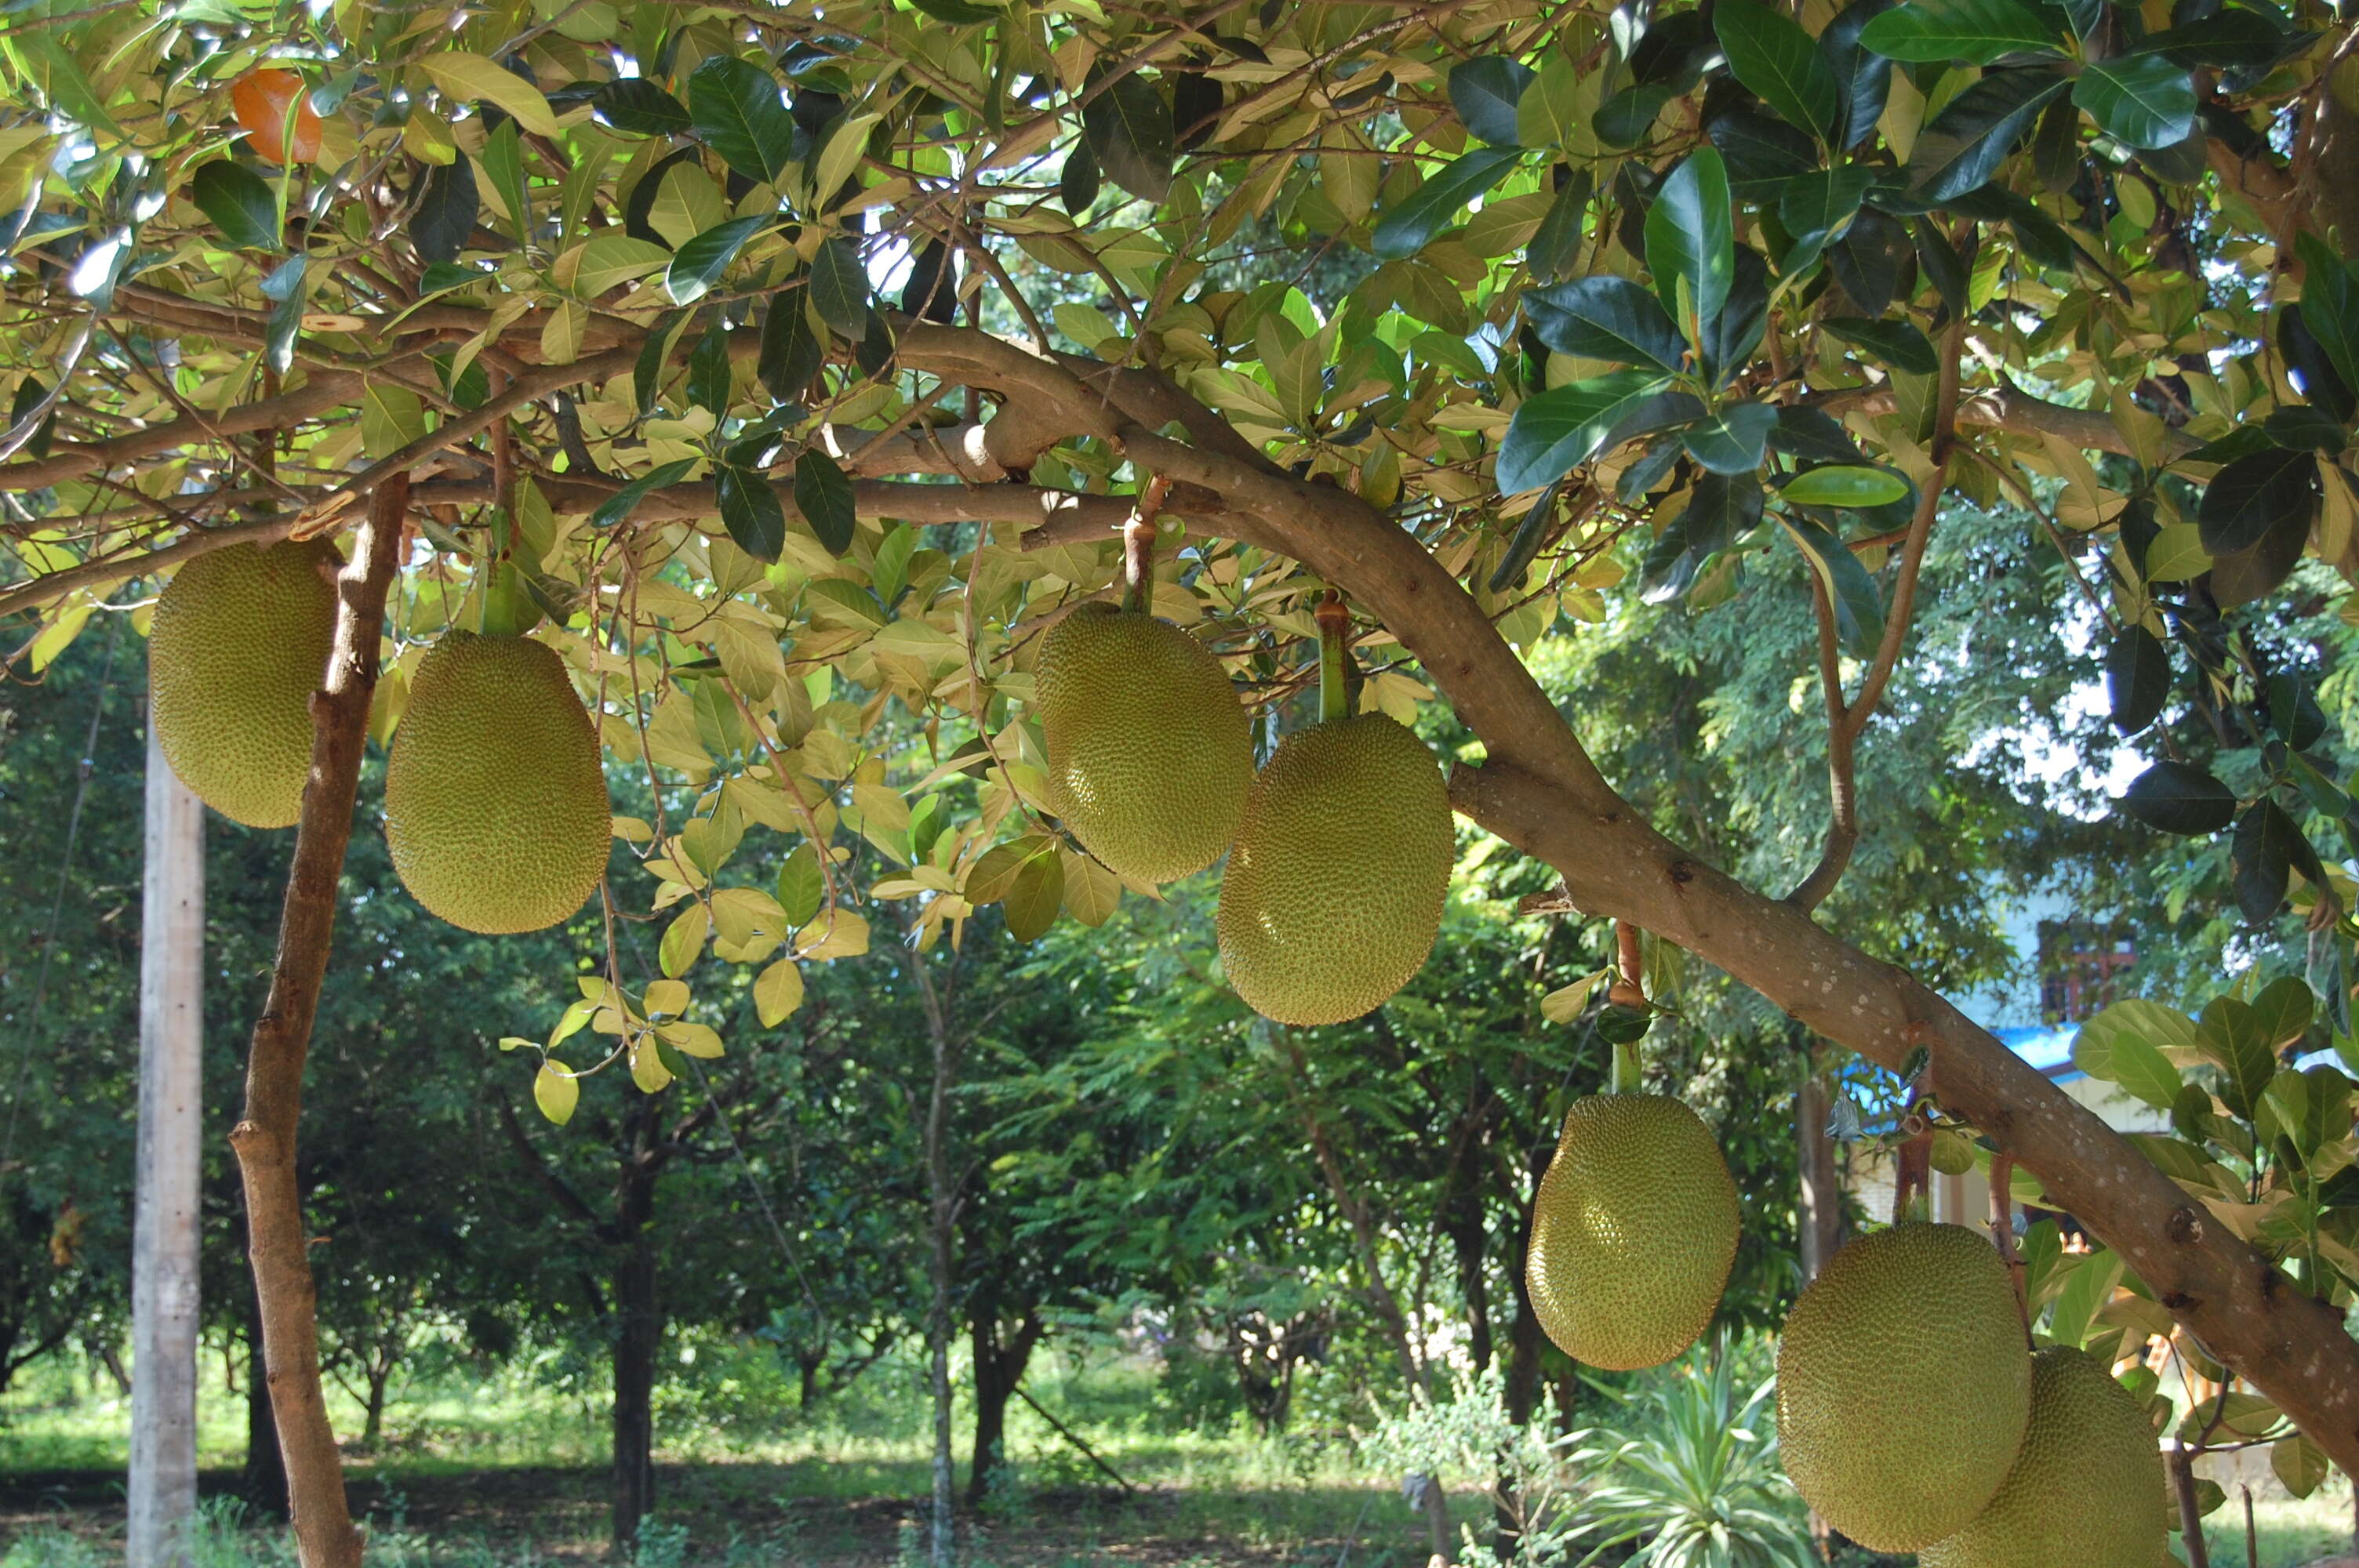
(639,1329)
(1819,1211)
(997,1370)
(162,1491)
(941,1227)
(379,1373)
(264,1138)
(1520,1389)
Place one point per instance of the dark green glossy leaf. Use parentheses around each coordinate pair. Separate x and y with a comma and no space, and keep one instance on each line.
(2311,364)
(1898,345)
(2301,427)
(2263,851)
(655,355)
(284,290)
(1485,91)
(1815,436)
(957,13)
(709,377)
(1404,230)
(1818,206)
(1128,128)
(932,292)
(2176,799)
(1555,247)
(1770,54)
(618,507)
(2294,712)
(823,495)
(1864,76)
(839,288)
(1976,31)
(1948,270)
(1604,317)
(1721,509)
(635,105)
(1867,262)
(792,349)
(2137,679)
(240,203)
(737,107)
(2139,99)
(1079,182)
(1624,120)
(1529,535)
(1555,431)
(2329,306)
(1690,241)
(750,510)
(1731,336)
(1859,610)
(503,161)
(2233,39)
(1732,440)
(697,265)
(1967,140)
(2255,494)
(444,218)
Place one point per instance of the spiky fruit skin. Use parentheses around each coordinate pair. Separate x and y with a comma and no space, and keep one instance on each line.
(2087,1488)
(1149,751)
(1633,1232)
(1333,891)
(1904,1386)
(495,806)
(238,644)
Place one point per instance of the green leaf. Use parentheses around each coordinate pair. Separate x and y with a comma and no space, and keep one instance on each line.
(823,495)
(1898,343)
(2226,1036)
(444,217)
(1128,129)
(1846,485)
(1815,436)
(240,203)
(2263,852)
(285,290)
(1731,441)
(683,939)
(1690,241)
(778,992)
(1605,317)
(737,107)
(2281,1014)
(556,1091)
(839,288)
(1556,431)
(2174,797)
(1077,186)
(801,886)
(2086,1289)
(618,507)
(1624,120)
(1773,56)
(792,349)
(1966,142)
(1975,31)
(2137,679)
(504,161)
(2140,99)
(2166,1029)
(1034,898)
(697,265)
(639,107)
(1819,206)
(750,510)
(1721,509)
(2299,1463)
(1404,229)
(1859,610)
(1484,92)
(2252,496)
(958,11)
(2134,1063)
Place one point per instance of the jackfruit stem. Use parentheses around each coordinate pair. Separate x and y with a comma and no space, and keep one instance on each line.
(1334,656)
(1138,549)
(1628,1077)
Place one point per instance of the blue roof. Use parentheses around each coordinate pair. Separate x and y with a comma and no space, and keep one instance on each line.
(2047,1046)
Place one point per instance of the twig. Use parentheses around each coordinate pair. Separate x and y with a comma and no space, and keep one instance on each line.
(1090,1453)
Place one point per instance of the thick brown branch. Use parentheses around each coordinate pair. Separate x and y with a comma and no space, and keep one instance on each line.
(323,391)
(264,1137)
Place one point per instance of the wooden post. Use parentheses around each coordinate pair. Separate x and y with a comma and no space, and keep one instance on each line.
(265,1138)
(163,1481)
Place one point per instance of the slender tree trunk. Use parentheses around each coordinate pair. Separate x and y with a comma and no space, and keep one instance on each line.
(379,1373)
(998,1370)
(264,1138)
(638,1331)
(1819,1210)
(1520,1389)
(162,1493)
(941,1228)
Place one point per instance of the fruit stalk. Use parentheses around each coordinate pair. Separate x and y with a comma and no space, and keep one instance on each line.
(264,1138)
(1628,989)
(1138,549)
(1334,659)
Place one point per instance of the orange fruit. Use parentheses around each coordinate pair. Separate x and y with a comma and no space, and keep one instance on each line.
(262,99)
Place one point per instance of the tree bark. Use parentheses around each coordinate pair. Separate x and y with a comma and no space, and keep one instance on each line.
(162,1492)
(638,1327)
(265,1138)
(264,1480)
(1819,1210)
(997,1370)
(941,1227)
(1520,1387)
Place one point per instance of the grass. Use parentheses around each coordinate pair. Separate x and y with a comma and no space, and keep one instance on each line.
(504,1467)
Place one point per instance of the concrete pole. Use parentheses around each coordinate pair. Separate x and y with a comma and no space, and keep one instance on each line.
(163,1483)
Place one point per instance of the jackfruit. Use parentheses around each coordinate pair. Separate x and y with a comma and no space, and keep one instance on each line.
(1334,892)
(495,805)
(1633,1232)
(239,644)
(2087,1487)
(1904,1385)
(1150,753)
